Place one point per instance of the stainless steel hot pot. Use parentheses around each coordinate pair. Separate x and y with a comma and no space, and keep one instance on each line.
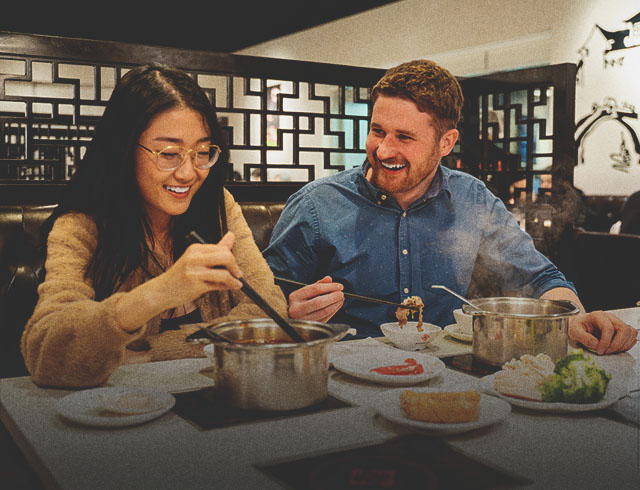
(507,328)
(273,376)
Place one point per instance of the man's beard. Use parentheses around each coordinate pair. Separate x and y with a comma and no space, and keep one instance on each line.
(395,184)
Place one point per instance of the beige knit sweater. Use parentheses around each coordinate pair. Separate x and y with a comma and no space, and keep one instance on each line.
(74,341)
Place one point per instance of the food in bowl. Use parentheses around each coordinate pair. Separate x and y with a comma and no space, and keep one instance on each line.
(576,378)
(403,314)
(441,407)
(408,337)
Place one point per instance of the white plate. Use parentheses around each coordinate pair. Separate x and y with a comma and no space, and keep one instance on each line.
(360,366)
(614,392)
(88,406)
(492,410)
(176,376)
(455,331)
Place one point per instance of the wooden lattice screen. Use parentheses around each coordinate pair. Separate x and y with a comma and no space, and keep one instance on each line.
(288,122)
(285,120)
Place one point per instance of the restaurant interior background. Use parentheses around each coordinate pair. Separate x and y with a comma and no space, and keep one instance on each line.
(473,38)
(552,97)
(551,91)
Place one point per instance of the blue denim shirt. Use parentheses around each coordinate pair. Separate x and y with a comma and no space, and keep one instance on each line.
(345,227)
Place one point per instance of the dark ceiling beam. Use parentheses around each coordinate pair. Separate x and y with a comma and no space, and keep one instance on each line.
(219,26)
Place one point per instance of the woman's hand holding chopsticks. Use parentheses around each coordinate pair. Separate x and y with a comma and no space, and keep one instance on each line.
(202,268)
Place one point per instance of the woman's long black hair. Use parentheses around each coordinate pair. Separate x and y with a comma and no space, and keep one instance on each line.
(104,185)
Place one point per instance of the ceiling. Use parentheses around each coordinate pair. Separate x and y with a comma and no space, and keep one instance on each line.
(214,25)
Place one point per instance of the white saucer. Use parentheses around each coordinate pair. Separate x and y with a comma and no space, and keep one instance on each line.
(361,365)
(614,392)
(91,407)
(455,331)
(492,410)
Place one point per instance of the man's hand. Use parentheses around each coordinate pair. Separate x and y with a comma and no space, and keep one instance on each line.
(318,301)
(602,332)
(599,331)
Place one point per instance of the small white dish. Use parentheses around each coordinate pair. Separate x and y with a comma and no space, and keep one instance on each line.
(492,410)
(458,333)
(209,352)
(614,392)
(464,320)
(115,406)
(361,365)
(408,337)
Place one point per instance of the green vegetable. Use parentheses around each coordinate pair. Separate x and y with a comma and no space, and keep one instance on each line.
(577,379)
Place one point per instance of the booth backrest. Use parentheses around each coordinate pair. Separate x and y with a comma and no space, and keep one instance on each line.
(606,269)
(22,262)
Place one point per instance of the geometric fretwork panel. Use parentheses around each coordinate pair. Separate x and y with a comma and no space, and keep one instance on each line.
(290,130)
(517,137)
(277,129)
(517,127)
(511,146)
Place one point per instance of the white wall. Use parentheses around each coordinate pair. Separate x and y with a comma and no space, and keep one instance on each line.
(409,29)
(472,37)
(608,85)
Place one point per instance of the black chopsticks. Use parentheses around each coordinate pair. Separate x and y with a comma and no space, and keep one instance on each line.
(193,237)
(283,281)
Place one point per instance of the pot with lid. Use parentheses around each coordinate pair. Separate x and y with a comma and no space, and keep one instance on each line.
(507,328)
(261,369)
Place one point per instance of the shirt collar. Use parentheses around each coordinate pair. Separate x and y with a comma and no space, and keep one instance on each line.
(439,184)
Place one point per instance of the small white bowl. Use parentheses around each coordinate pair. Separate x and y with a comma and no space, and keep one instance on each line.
(464,321)
(408,337)
(208,351)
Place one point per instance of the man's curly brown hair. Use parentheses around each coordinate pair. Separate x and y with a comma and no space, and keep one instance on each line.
(431,87)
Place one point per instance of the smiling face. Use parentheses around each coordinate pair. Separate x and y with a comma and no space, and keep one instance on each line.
(403,149)
(166,194)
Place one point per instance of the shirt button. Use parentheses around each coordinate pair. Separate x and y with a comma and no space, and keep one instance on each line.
(383,197)
(405,252)
(406,290)
(379,203)
(404,215)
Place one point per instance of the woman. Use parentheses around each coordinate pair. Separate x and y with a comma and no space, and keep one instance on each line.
(120,275)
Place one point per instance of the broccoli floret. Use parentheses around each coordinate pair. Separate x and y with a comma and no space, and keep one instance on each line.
(578,379)
(575,355)
(552,390)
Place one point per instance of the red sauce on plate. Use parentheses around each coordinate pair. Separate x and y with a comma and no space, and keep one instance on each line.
(411,366)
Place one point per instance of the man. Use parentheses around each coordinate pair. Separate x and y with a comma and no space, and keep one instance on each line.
(402,223)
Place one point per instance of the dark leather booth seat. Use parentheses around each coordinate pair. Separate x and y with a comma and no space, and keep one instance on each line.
(22,261)
(606,269)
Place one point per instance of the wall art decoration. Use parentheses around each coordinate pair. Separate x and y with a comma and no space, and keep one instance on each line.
(607,132)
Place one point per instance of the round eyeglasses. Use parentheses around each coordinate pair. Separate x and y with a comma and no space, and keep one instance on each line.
(172,157)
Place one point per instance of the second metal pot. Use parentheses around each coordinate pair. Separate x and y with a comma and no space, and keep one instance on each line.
(507,328)
(273,376)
